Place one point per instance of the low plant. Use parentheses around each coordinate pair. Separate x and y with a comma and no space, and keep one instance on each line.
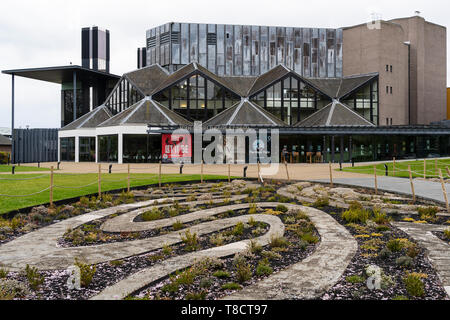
(87,272)
(404,261)
(231,286)
(379,217)
(177,225)
(238,230)
(217,239)
(3,273)
(196,295)
(394,245)
(447,233)
(171,287)
(151,215)
(281,208)
(278,242)
(271,255)
(356,215)
(255,247)
(414,285)
(354,279)
(167,250)
(427,213)
(309,238)
(35,279)
(321,202)
(221,274)
(190,240)
(242,268)
(12,289)
(264,268)
(116,263)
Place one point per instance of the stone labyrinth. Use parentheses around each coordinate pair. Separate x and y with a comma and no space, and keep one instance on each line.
(238,240)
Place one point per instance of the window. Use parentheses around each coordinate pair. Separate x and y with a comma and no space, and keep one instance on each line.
(291,100)
(197,98)
(67,148)
(365,101)
(387,89)
(87,149)
(122,97)
(390,89)
(387,68)
(391,69)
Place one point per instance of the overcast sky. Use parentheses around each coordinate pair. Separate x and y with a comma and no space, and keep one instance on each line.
(42,33)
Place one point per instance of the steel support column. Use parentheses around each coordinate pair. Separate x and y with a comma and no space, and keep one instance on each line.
(74,95)
(13,154)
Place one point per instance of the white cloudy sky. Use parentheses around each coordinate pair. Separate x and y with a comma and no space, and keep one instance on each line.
(40,33)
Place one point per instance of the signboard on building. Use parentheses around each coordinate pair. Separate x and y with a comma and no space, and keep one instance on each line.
(176,148)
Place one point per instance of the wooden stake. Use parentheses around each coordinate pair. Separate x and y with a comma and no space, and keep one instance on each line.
(436,166)
(376,182)
(51,187)
(393,168)
(259,172)
(128,179)
(159,174)
(412,184)
(201,172)
(287,171)
(444,190)
(424,168)
(229,173)
(331,175)
(99,181)
(448,171)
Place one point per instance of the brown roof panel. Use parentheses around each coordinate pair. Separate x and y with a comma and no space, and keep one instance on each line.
(148,79)
(90,120)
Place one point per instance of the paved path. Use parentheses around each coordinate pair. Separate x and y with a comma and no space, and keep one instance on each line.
(424,189)
(437,250)
(312,277)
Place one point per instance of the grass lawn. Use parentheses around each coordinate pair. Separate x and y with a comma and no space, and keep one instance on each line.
(109,182)
(401,169)
(5,168)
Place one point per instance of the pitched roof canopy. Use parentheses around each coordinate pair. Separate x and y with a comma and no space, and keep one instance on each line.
(148,78)
(336,114)
(245,113)
(4,141)
(90,120)
(146,112)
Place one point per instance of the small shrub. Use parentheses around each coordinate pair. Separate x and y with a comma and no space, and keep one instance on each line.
(206,282)
(190,240)
(400,298)
(196,295)
(271,255)
(35,280)
(177,225)
(354,279)
(404,261)
(231,286)
(412,251)
(11,289)
(394,245)
(116,263)
(382,228)
(414,285)
(426,213)
(217,240)
(252,209)
(447,233)
(238,230)
(87,272)
(221,274)
(167,250)
(380,217)
(281,208)
(384,253)
(242,268)
(353,215)
(278,242)
(309,238)
(255,247)
(154,214)
(3,273)
(321,202)
(264,268)
(171,287)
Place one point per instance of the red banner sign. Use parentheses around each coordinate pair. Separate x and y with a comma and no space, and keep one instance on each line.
(176,146)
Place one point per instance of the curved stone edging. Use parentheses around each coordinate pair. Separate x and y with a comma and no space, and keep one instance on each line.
(39,248)
(438,251)
(312,277)
(125,222)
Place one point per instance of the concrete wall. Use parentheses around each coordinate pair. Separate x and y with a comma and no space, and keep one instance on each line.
(428,68)
(448,103)
(370,50)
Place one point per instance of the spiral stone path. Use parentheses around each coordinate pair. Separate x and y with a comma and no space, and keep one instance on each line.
(438,251)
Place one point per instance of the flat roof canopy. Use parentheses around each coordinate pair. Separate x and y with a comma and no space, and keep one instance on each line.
(63,74)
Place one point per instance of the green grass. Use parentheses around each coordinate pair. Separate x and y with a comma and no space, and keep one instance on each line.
(25,187)
(401,169)
(5,168)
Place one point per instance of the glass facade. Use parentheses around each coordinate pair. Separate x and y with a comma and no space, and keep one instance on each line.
(141,148)
(67,149)
(123,96)
(365,101)
(197,98)
(291,100)
(87,149)
(67,104)
(108,148)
